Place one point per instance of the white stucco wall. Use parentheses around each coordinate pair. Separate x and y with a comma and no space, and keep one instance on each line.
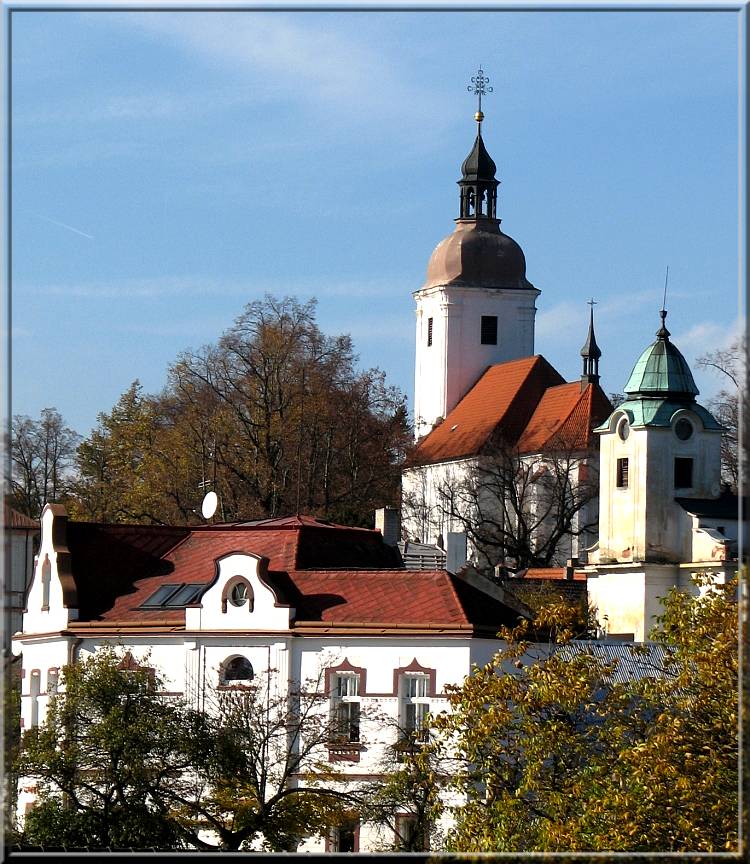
(642,522)
(446,370)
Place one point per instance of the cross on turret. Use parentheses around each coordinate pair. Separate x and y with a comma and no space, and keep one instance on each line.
(479,87)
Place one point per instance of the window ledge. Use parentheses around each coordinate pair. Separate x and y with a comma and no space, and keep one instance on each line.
(344,751)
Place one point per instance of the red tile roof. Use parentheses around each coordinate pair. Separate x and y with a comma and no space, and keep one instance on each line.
(414,597)
(564,418)
(117,567)
(523,402)
(499,404)
(551,573)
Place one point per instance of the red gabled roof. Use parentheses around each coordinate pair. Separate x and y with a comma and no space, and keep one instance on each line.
(117,567)
(500,404)
(564,418)
(413,597)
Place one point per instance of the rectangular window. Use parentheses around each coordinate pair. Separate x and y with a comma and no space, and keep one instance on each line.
(489,329)
(683,473)
(429,332)
(52,681)
(345,707)
(415,705)
(408,836)
(345,838)
(622,473)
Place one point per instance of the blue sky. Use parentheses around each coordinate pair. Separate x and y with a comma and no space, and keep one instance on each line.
(170,167)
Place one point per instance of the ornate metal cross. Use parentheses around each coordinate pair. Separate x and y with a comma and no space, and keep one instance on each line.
(479,87)
(592,303)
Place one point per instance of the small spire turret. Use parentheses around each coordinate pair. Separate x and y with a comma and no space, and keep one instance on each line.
(590,352)
(478,183)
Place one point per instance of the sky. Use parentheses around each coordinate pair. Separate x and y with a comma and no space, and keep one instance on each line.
(170,167)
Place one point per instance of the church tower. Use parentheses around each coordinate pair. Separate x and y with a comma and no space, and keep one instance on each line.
(476,307)
(659,487)
(658,445)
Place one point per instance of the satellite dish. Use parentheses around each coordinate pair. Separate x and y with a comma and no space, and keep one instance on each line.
(209,505)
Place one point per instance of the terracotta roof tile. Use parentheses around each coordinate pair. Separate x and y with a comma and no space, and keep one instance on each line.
(564,418)
(413,597)
(499,404)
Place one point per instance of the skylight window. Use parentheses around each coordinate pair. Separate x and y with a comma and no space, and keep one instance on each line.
(173,596)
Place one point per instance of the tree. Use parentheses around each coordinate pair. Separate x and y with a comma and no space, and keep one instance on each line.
(408,797)
(562,755)
(42,454)
(514,509)
(117,481)
(731,364)
(109,748)
(116,764)
(260,771)
(275,418)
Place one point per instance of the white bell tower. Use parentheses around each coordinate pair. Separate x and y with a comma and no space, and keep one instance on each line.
(476,307)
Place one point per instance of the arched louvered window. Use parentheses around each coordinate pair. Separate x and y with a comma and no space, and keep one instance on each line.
(238,669)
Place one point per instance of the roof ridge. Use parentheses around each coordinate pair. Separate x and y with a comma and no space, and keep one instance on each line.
(452,583)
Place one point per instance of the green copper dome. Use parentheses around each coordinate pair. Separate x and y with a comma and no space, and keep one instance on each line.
(662,371)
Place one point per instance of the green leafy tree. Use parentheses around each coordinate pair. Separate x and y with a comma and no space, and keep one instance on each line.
(102,760)
(559,754)
(116,764)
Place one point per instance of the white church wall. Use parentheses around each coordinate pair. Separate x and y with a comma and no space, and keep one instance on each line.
(423,501)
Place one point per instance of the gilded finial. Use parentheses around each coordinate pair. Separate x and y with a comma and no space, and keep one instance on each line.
(479,87)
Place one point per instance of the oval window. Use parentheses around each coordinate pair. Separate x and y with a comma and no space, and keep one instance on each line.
(623,429)
(239,594)
(683,429)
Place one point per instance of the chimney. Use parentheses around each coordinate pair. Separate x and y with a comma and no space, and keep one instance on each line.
(455,554)
(388,522)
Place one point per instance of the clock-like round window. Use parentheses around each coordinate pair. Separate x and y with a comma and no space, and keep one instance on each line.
(683,429)
(238,595)
(623,429)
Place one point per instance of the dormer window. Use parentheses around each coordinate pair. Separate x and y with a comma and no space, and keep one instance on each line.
(173,595)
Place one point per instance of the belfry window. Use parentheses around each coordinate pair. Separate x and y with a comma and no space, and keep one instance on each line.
(622,473)
(489,330)
(683,473)
(429,332)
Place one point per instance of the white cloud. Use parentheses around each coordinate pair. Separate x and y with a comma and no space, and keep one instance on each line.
(555,324)
(313,60)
